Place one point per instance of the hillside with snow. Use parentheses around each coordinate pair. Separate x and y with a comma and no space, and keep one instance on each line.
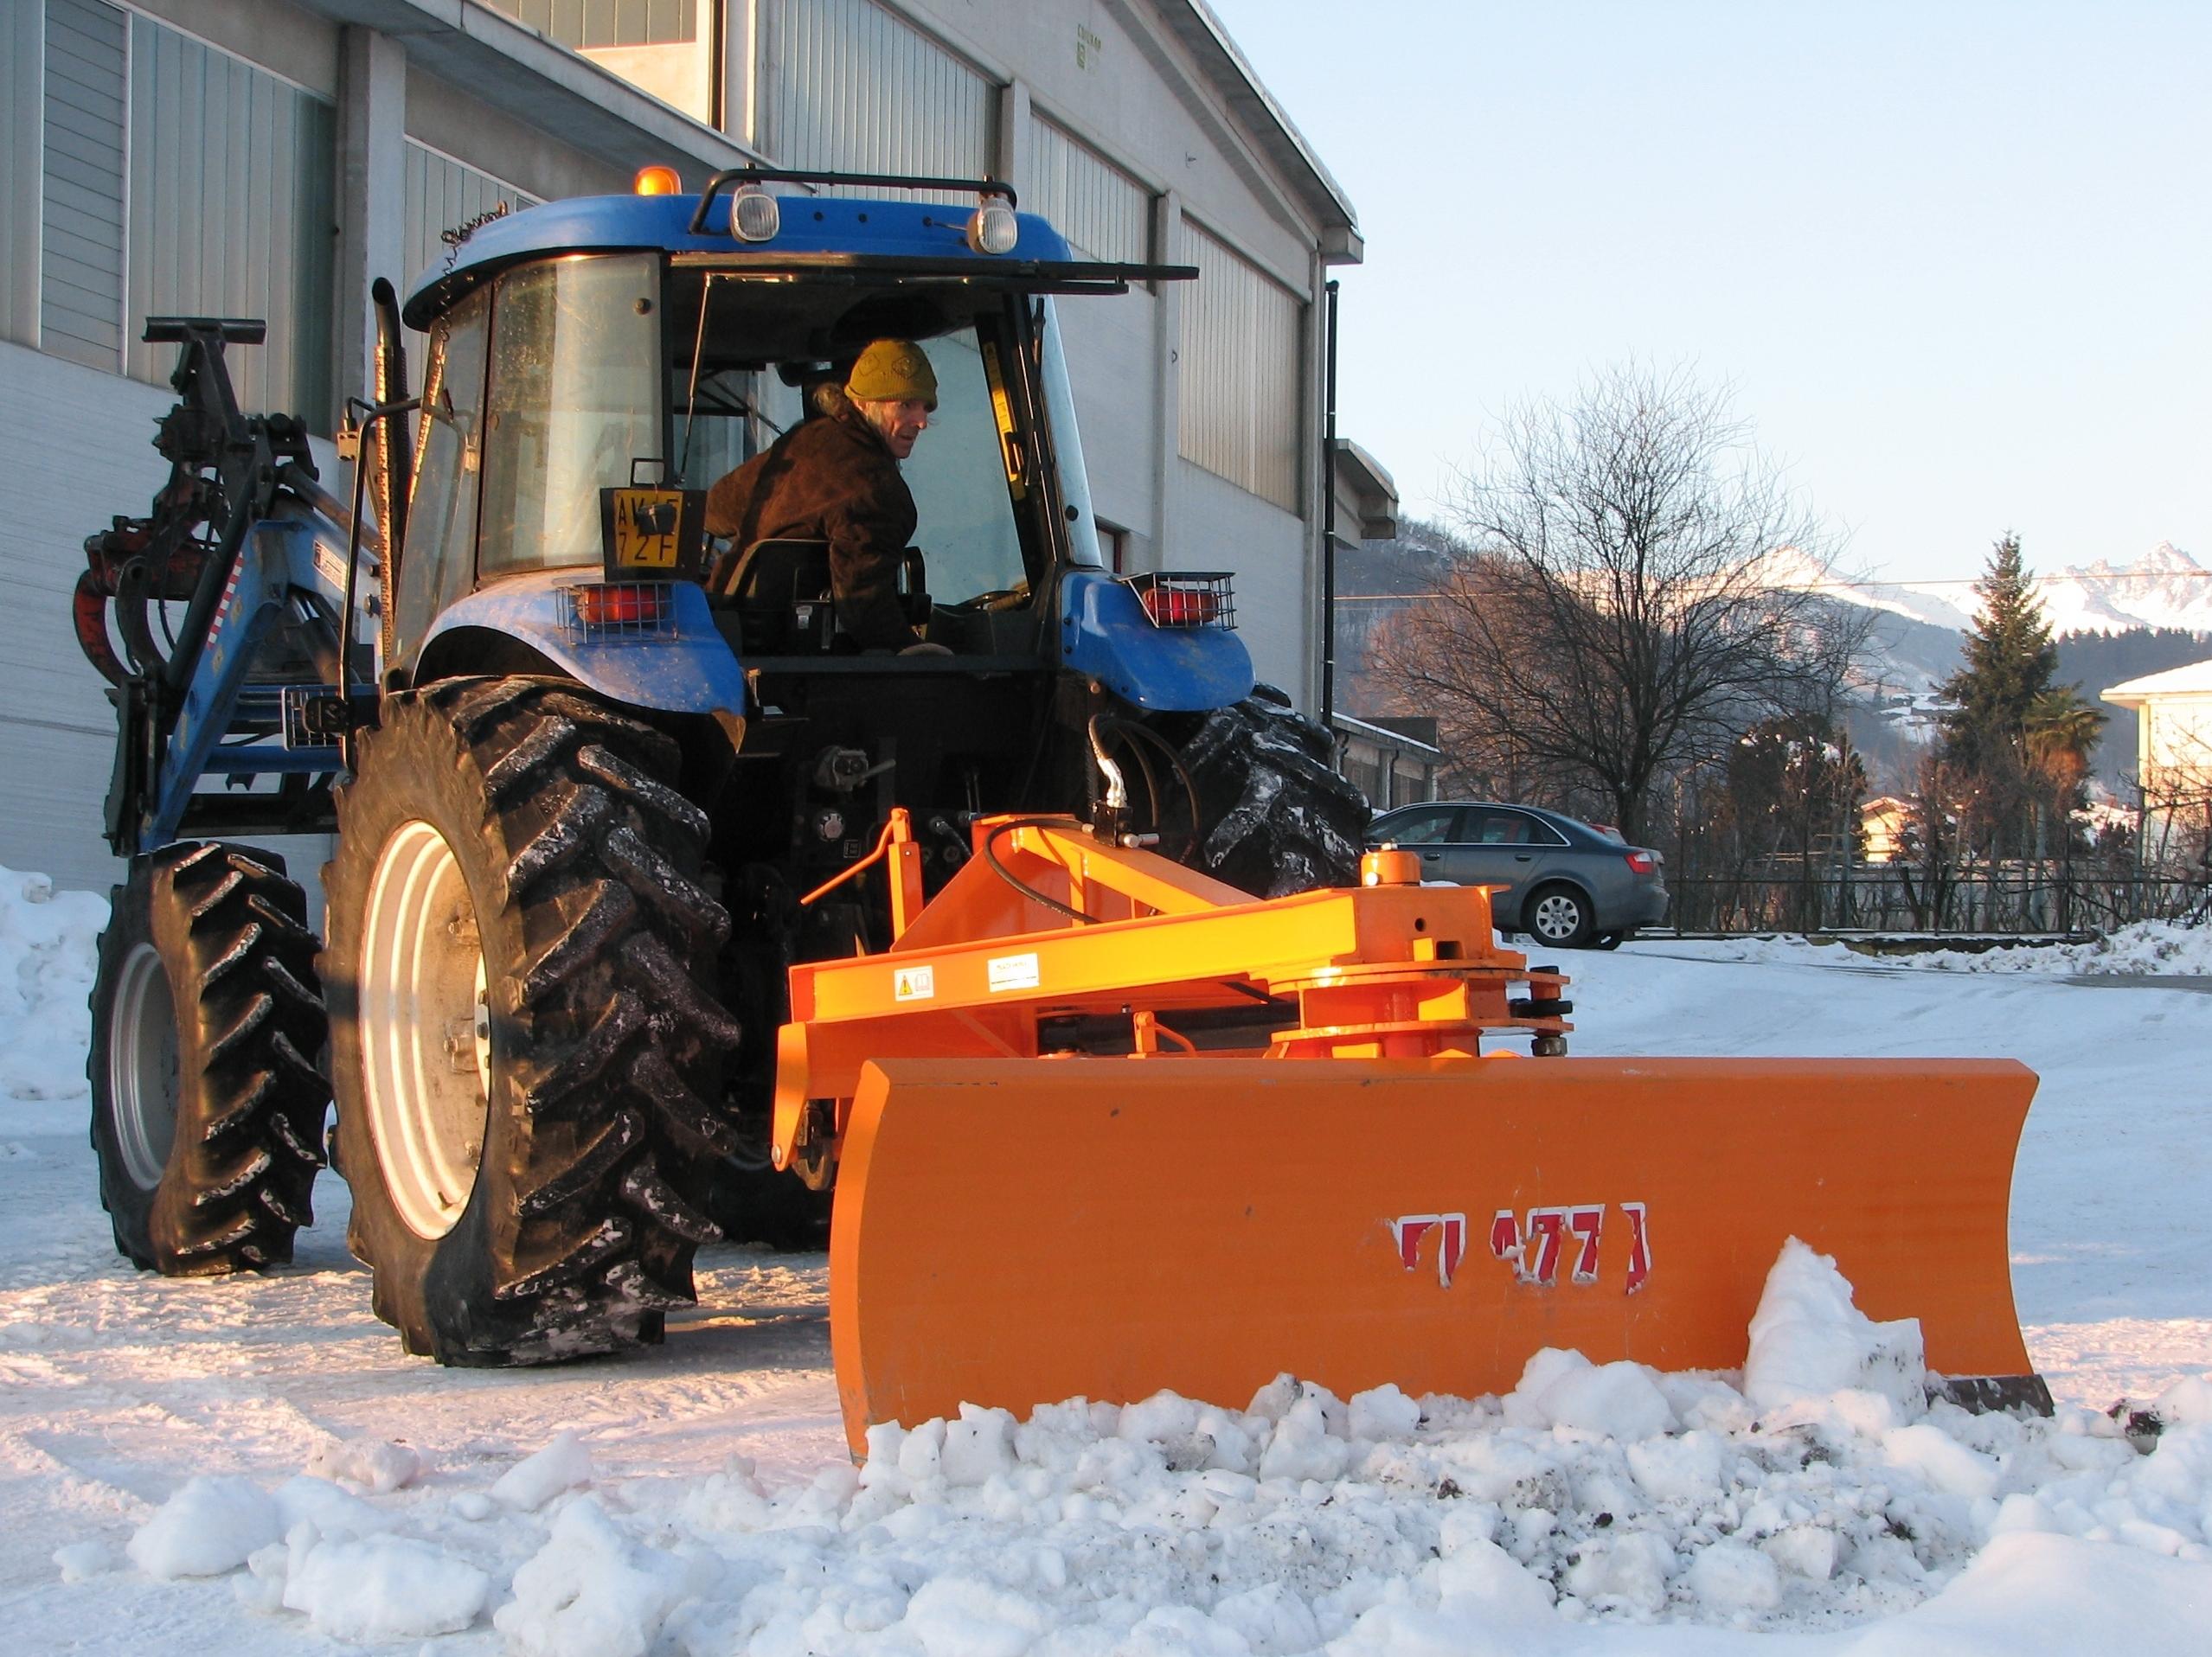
(2164,588)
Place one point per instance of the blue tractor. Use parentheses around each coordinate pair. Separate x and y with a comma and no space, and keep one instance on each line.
(594,779)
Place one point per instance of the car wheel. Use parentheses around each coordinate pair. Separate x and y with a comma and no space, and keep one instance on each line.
(1559,916)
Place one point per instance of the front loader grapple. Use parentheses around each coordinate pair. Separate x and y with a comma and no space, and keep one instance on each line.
(1127,1069)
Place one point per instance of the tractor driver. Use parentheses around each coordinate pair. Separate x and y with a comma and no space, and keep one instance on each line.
(835,478)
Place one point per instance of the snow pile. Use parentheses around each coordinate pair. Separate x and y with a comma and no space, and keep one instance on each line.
(2146,948)
(48,944)
(1817,1490)
(2149,948)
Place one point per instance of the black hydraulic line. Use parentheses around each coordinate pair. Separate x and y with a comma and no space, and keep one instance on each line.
(1329,523)
(990,856)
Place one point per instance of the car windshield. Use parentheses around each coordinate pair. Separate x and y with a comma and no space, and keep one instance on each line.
(749,360)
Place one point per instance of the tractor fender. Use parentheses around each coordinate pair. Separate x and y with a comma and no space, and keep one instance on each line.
(1104,633)
(685,667)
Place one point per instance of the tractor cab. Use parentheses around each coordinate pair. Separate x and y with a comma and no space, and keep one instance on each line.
(590,360)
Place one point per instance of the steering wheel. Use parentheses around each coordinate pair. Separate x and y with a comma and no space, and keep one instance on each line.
(1011,598)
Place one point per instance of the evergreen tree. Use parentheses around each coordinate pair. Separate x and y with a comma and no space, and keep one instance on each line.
(2010,662)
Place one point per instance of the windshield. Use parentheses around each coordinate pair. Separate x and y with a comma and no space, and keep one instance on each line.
(746,358)
(572,404)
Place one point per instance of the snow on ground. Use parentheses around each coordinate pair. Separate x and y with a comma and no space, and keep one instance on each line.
(2151,949)
(253,1467)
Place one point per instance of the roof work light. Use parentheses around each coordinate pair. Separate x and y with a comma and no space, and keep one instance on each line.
(994,228)
(753,214)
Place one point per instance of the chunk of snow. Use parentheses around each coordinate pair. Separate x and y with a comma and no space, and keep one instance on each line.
(1618,1400)
(1635,1568)
(1940,1460)
(962,1616)
(1271,1620)
(332,1512)
(1808,1340)
(372,1463)
(1683,1469)
(977,1446)
(1803,1551)
(206,1528)
(536,1479)
(1301,1447)
(385,1588)
(1160,1419)
(79,1560)
(1729,1576)
(590,1591)
(2188,1401)
(1485,1572)
(1383,1412)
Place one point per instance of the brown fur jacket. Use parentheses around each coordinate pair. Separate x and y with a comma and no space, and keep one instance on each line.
(830,478)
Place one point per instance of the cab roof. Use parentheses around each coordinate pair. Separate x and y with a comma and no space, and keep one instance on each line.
(828,232)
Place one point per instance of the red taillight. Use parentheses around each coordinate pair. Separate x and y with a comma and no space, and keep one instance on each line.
(619,604)
(1179,598)
(1181,607)
(609,610)
(1643,862)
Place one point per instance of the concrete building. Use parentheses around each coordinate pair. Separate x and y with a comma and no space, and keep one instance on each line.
(2173,761)
(271,158)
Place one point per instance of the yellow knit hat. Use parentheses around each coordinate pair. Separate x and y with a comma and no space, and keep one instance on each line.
(893,371)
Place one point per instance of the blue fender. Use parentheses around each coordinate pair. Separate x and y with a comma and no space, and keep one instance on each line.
(1104,633)
(685,668)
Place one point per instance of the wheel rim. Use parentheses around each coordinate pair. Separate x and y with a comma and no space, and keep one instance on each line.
(425,1029)
(142,1069)
(1558,917)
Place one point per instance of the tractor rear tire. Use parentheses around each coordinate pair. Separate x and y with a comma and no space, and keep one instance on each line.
(207,1023)
(526,1044)
(1275,815)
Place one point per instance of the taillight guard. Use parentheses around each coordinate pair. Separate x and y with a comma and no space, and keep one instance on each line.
(612,612)
(1187,597)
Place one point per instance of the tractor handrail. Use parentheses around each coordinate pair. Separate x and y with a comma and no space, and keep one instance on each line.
(732,177)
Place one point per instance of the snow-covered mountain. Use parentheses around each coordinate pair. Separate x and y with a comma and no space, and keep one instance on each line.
(2164,588)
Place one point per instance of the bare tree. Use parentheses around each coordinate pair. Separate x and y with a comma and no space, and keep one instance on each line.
(1643,586)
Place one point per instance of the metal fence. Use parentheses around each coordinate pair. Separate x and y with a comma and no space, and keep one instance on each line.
(2017,898)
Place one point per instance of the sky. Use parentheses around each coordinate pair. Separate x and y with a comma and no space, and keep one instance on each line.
(1950,257)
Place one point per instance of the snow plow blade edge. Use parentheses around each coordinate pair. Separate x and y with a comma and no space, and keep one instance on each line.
(1017,1231)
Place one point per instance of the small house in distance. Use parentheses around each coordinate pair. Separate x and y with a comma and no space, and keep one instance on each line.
(2173,759)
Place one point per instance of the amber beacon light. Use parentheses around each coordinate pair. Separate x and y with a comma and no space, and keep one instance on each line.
(657,181)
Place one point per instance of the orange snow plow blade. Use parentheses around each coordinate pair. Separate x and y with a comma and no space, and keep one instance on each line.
(1014,1231)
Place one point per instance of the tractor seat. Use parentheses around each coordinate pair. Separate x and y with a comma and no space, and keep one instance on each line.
(780,591)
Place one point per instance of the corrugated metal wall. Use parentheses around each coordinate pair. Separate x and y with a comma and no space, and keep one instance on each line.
(81,264)
(1240,403)
(854,89)
(1101,210)
(608,22)
(443,195)
(233,214)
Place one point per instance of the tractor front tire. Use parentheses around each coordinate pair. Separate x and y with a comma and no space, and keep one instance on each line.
(1274,816)
(525,1044)
(207,1023)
